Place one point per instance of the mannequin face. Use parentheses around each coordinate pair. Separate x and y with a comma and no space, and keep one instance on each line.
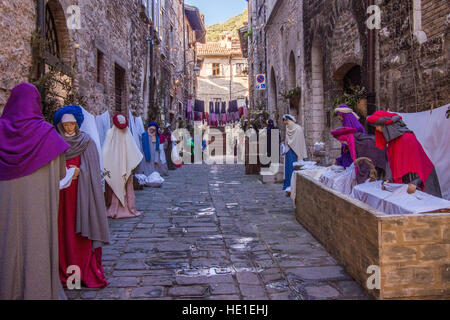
(379,128)
(286,121)
(152,130)
(340,117)
(69,127)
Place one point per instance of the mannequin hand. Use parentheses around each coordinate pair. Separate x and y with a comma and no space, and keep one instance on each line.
(77,172)
(412,188)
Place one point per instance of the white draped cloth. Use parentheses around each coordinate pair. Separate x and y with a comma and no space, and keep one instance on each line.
(103,125)
(396,200)
(138,131)
(432,129)
(295,139)
(89,126)
(121,156)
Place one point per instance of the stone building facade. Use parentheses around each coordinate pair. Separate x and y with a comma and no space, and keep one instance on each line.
(223,71)
(116,53)
(255,41)
(323,47)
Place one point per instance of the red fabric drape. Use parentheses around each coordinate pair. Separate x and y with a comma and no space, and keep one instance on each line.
(406,155)
(73,248)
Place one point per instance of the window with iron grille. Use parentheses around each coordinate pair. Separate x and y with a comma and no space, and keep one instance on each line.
(51,35)
(119,76)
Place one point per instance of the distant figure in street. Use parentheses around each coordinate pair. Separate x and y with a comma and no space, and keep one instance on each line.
(121,156)
(295,148)
(31,167)
(83,223)
(408,161)
(151,145)
(168,147)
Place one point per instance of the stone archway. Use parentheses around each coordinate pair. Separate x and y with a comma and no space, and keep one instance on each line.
(57,34)
(294,103)
(317,105)
(273,92)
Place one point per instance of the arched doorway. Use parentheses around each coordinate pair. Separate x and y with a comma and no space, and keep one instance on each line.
(273,93)
(351,79)
(294,102)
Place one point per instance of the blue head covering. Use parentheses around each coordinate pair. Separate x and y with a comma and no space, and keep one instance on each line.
(76,111)
(288,117)
(146,141)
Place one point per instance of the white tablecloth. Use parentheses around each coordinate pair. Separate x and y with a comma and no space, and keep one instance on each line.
(397,200)
(339,179)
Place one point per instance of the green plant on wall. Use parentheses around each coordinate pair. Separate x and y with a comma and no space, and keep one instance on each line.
(292,94)
(249,33)
(351,99)
(56,89)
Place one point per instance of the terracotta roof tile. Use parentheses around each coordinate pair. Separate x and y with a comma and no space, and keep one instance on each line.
(214,49)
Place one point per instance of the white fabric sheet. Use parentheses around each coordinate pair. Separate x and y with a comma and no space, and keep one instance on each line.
(338,179)
(89,126)
(315,174)
(121,156)
(103,125)
(397,200)
(138,132)
(67,180)
(433,132)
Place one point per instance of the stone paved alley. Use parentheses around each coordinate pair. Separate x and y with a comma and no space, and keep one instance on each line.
(212,232)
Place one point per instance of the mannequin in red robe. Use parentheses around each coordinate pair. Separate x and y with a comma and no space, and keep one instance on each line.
(81,247)
(408,161)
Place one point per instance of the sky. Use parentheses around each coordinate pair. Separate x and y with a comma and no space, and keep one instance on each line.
(218,11)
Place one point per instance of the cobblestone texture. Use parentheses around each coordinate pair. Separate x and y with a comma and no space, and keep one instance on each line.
(213,233)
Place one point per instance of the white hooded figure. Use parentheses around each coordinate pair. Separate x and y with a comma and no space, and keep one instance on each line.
(295,148)
(121,156)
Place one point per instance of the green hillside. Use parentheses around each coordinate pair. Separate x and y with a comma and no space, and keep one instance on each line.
(232,24)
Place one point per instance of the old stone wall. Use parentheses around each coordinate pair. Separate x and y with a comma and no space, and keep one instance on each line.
(335,40)
(415,256)
(284,48)
(113,36)
(414,70)
(15,49)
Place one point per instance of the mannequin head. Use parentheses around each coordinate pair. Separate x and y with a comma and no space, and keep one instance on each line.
(70,128)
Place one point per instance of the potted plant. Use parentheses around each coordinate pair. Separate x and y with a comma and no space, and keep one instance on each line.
(355,99)
(293,96)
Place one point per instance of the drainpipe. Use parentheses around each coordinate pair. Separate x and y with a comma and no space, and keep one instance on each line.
(371,94)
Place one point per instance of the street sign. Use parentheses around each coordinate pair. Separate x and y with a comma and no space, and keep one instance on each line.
(260,82)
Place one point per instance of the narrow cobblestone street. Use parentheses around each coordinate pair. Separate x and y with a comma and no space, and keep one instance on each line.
(212,232)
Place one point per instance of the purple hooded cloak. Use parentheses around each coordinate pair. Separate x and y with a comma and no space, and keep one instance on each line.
(27,141)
